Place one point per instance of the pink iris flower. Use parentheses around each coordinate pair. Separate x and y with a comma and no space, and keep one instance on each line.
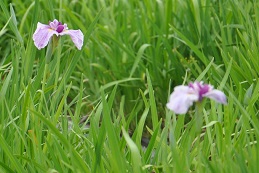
(43,34)
(184,96)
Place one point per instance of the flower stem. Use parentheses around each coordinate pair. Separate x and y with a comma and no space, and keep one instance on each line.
(57,67)
(198,128)
(49,51)
(198,120)
(43,86)
(198,116)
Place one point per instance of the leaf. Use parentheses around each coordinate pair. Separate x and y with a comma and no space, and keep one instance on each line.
(138,58)
(210,124)
(135,155)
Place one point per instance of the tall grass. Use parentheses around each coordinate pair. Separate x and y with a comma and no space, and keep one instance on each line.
(102,109)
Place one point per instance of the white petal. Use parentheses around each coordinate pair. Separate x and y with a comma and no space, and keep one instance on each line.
(42,35)
(76,35)
(181,99)
(41,26)
(217,95)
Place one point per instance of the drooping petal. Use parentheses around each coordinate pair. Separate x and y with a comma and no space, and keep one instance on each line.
(42,35)
(217,95)
(41,26)
(76,35)
(181,99)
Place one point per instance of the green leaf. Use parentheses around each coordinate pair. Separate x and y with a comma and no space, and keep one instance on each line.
(210,124)
(135,155)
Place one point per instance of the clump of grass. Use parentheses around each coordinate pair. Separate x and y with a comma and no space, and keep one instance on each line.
(134,54)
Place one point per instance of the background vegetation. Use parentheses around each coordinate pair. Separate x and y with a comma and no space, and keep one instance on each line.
(102,109)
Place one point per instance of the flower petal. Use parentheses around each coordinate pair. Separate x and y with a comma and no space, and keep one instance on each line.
(41,26)
(54,24)
(216,95)
(42,35)
(76,35)
(181,99)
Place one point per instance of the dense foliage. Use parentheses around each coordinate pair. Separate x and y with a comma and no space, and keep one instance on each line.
(102,108)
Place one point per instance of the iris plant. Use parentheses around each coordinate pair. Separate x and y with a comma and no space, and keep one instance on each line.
(43,34)
(184,96)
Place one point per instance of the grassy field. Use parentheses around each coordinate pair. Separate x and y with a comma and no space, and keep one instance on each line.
(103,108)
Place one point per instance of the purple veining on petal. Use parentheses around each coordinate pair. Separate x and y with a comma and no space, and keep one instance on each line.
(203,90)
(191,85)
(200,88)
(54,24)
(43,34)
(77,37)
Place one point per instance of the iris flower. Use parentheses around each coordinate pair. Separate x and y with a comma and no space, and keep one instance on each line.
(43,34)
(184,96)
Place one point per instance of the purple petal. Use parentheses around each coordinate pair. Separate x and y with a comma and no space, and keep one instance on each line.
(76,36)
(41,26)
(42,35)
(54,24)
(217,95)
(60,28)
(181,99)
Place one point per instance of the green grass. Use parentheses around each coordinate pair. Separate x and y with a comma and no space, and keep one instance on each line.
(134,54)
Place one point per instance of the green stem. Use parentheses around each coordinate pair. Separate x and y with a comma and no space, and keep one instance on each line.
(57,67)
(198,116)
(198,127)
(47,60)
(43,86)
(59,50)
